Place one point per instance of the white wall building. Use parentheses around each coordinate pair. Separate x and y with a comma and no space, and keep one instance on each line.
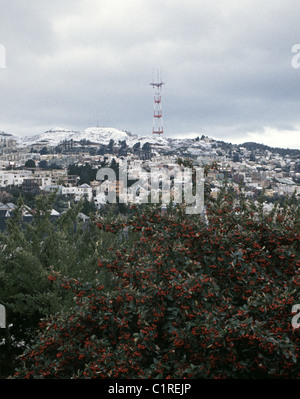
(78,192)
(13,178)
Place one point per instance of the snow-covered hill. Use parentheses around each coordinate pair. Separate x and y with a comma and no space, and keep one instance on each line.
(103,135)
(96,135)
(7,136)
(49,138)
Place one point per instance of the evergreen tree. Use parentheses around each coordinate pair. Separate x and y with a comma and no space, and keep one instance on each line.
(30,163)
(33,253)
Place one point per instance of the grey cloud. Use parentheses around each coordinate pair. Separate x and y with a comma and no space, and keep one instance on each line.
(227,65)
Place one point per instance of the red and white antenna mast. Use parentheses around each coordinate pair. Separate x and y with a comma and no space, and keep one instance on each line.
(157,117)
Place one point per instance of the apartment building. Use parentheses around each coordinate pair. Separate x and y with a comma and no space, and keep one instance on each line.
(83,191)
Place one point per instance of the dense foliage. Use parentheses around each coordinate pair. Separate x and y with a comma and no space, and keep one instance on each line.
(192,298)
(32,250)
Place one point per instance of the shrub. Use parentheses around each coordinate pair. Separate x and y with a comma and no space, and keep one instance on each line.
(190,299)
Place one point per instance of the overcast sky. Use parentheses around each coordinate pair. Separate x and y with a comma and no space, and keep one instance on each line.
(228,67)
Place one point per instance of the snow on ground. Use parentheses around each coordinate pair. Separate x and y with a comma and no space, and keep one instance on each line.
(98,135)
(103,135)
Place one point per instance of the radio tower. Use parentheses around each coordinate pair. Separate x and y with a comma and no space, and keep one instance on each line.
(157,117)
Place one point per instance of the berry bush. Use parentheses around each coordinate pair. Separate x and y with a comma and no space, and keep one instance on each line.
(192,298)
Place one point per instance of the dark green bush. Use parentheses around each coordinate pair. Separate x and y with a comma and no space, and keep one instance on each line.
(191,299)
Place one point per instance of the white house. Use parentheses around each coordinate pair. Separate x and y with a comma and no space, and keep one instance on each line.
(13,178)
(100,199)
(83,191)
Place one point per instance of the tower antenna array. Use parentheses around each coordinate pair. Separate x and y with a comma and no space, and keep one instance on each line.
(157,116)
